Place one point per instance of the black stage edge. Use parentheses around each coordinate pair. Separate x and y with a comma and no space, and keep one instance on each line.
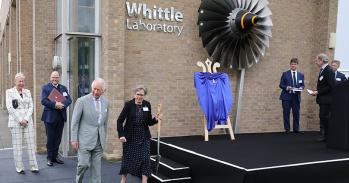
(258,158)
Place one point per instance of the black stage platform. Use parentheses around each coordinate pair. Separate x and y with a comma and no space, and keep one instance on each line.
(258,158)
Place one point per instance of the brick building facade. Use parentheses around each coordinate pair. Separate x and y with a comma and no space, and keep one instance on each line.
(163,62)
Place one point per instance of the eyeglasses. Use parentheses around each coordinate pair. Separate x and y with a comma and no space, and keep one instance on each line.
(139,94)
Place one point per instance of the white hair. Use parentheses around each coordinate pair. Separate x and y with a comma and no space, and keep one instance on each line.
(100,81)
(323,57)
(19,75)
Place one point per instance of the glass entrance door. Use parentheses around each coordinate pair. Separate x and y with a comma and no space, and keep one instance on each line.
(81,70)
(81,65)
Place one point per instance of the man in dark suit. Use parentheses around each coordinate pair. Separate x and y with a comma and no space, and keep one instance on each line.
(325,84)
(340,77)
(54,116)
(291,83)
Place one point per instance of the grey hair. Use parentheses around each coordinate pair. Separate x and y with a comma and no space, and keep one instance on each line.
(100,81)
(140,87)
(323,57)
(19,75)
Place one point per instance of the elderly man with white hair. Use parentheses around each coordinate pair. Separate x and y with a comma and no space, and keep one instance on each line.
(323,92)
(19,104)
(89,130)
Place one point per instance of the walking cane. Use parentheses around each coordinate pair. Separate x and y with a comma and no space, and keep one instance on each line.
(158,137)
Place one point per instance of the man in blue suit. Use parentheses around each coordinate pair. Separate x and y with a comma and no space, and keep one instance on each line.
(340,77)
(54,116)
(291,83)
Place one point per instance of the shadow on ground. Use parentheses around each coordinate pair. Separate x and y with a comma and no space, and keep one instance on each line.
(56,174)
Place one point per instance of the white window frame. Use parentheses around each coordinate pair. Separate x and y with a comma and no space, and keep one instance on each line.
(65,35)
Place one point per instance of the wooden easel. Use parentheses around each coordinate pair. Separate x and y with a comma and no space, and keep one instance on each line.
(207,68)
(158,156)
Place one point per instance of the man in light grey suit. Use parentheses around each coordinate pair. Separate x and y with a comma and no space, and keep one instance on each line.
(88,131)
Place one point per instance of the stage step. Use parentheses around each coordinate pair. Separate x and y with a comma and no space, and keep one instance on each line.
(169,171)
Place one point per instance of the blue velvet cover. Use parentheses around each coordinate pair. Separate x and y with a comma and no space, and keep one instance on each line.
(214,95)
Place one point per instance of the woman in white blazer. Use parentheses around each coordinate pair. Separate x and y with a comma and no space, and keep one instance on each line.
(19,104)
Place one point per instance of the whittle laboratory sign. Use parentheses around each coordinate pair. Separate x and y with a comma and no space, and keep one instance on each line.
(153,19)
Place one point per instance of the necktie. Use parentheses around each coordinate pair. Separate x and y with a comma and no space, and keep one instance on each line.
(321,71)
(294,79)
(98,107)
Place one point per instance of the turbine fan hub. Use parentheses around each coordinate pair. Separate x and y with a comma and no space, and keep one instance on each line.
(235,32)
(245,20)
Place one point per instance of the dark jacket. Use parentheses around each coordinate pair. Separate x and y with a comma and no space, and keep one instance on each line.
(50,113)
(286,80)
(340,77)
(325,85)
(129,113)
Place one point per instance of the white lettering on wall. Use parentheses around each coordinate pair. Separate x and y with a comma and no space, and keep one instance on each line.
(168,14)
(142,10)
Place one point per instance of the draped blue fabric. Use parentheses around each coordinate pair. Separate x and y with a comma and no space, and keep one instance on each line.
(214,95)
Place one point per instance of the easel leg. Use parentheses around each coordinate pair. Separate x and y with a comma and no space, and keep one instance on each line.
(230,129)
(206,131)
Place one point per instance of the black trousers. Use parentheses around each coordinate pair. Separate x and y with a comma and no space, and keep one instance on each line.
(324,115)
(54,135)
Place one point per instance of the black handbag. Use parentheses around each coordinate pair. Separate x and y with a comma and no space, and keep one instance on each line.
(15,103)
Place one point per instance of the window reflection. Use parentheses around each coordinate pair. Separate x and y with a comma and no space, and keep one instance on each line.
(82,65)
(59,16)
(82,16)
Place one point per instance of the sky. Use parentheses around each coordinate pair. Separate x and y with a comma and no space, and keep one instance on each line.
(342,36)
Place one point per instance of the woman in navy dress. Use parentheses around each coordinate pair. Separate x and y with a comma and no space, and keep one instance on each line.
(135,135)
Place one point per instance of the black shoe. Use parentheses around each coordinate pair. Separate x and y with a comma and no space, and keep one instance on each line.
(21,172)
(49,162)
(296,131)
(287,131)
(59,161)
(35,171)
(321,139)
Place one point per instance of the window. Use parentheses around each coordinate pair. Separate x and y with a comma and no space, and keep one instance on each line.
(59,16)
(78,44)
(81,65)
(82,16)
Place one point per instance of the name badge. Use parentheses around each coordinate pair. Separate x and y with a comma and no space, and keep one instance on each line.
(65,94)
(321,77)
(145,109)
(300,81)
(338,79)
